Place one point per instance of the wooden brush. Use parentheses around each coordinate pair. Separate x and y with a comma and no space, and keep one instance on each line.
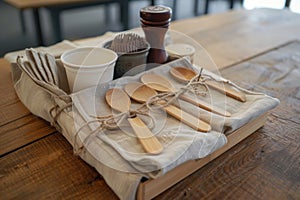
(128,43)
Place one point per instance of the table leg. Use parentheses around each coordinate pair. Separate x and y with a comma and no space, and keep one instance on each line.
(124,7)
(196,3)
(174,10)
(22,19)
(107,14)
(37,23)
(287,3)
(231,4)
(206,9)
(56,26)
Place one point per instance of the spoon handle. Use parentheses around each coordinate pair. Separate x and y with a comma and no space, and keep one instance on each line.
(149,142)
(205,106)
(226,90)
(187,118)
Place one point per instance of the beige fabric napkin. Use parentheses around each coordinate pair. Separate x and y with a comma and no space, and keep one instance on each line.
(55,50)
(180,141)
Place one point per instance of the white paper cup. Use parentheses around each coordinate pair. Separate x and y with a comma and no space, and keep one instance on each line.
(181,50)
(88,66)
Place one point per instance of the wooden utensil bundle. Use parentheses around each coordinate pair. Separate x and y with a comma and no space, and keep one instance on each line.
(184,74)
(151,82)
(142,93)
(162,84)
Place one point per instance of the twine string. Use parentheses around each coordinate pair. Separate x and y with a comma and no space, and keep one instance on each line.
(196,85)
(110,122)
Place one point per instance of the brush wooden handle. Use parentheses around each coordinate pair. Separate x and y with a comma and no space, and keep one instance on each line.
(206,106)
(226,90)
(187,118)
(149,142)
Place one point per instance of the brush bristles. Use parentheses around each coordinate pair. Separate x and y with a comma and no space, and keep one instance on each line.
(128,43)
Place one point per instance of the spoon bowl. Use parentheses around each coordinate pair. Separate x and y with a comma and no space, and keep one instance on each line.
(158,83)
(139,92)
(118,100)
(111,97)
(182,74)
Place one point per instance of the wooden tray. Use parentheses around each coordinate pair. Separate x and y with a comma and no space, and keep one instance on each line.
(153,187)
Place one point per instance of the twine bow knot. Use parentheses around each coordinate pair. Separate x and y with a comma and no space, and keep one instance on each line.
(196,86)
(111,122)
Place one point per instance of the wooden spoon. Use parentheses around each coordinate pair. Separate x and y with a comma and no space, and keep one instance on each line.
(162,84)
(185,74)
(141,93)
(119,100)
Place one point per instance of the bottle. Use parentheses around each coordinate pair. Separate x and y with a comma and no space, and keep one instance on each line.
(155,21)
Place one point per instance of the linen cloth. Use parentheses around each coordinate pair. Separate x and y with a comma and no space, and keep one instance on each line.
(116,154)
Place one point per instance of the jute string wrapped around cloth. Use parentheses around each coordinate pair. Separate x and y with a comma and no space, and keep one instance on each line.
(116,154)
(164,99)
(119,140)
(110,122)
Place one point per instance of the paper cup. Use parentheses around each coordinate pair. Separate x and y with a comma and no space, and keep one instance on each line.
(130,63)
(88,66)
(181,50)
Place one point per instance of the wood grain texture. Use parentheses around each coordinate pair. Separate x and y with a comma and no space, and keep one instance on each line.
(152,188)
(13,111)
(227,90)
(18,127)
(21,132)
(7,92)
(47,169)
(10,106)
(147,139)
(266,165)
(231,37)
(188,119)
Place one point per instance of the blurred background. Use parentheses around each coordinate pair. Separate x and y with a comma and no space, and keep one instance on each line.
(93,18)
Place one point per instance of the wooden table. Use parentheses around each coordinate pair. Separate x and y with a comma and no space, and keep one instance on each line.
(256,49)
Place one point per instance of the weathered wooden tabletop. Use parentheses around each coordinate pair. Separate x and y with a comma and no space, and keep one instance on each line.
(257,49)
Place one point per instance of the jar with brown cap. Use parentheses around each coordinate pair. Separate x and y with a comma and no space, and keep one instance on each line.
(155,22)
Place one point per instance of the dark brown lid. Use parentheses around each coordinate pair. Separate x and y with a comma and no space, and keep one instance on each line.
(156,13)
